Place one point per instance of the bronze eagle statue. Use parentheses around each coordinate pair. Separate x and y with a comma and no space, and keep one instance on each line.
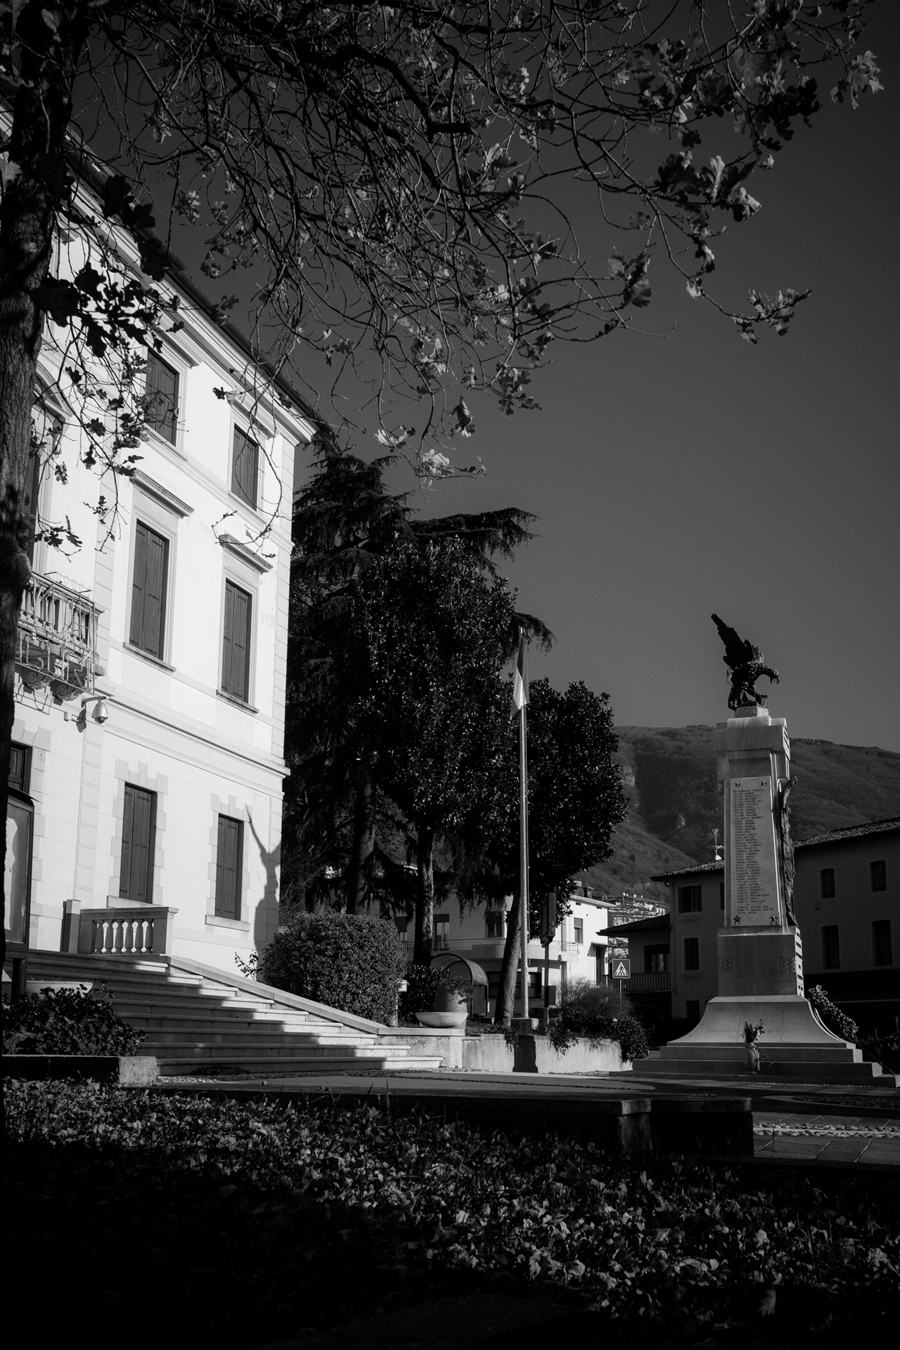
(745,666)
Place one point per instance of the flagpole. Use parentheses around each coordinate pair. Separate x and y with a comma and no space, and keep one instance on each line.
(523,855)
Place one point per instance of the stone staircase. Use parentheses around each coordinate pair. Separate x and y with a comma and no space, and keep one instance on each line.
(841,1063)
(199,1019)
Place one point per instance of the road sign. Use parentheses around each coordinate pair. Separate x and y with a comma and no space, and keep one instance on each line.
(621,969)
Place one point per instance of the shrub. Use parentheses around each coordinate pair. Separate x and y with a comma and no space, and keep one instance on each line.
(587,1011)
(836,1021)
(67,1022)
(349,961)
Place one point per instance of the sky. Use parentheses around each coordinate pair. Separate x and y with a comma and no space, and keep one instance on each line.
(677,475)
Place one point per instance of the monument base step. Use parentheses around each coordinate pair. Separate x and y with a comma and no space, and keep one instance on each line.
(797,1070)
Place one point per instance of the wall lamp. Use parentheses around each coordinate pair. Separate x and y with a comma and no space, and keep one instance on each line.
(100,713)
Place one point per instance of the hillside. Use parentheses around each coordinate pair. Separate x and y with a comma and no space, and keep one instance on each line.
(675,802)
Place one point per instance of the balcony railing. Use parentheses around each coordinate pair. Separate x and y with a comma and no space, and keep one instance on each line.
(57,639)
(651,982)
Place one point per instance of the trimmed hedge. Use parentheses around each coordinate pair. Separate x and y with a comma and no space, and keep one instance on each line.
(348,961)
(67,1022)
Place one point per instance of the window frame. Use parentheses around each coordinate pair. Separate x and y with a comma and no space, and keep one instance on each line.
(441,941)
(219,911)
(178,372)
(232,584)
(878,875)
(881,928)
(236,487)
(494,918)
(827,883)
(831,946)
(691,944)
(690,893)
(137,790)
(149,522)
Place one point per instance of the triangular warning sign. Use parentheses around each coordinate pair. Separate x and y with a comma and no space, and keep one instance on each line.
(620,972)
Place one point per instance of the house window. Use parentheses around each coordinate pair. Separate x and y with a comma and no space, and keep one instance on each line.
(161,407)
(138,838)
(692,1010)
(148,590)
(46,430)
(236,642)
(878,873)
(493,923)
(244,467)
(402,926)
(831,947)
(882,947)
(656,959)
(18,767)
(721,895)
(19,834)
(441,932)
(689,900)
(692,953)
(578,926)
(229,859)
(535,986)
(826,883)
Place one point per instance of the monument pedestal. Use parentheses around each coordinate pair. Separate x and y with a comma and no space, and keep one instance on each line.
(760,958)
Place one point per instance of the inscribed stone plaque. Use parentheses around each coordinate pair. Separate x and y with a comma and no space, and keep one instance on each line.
(754,888)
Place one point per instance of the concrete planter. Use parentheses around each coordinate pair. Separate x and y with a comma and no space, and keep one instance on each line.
(126,1070)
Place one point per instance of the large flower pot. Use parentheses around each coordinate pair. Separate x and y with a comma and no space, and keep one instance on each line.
(450,1008)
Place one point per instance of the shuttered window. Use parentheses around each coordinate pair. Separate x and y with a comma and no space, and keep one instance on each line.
(161,411)
(138,830)
(831,947)
(245,467)
(148,590)
(692,953)
(229,857)
(882,947)
(236,642)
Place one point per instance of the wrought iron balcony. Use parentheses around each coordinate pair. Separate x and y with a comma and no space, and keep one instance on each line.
(57,639)
(649,982)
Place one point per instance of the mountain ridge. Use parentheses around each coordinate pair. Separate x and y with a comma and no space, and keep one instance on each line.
(675,802)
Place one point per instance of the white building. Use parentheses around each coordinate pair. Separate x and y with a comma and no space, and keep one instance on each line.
(577,952)
(146,777)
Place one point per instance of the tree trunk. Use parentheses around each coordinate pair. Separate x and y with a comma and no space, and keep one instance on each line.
(424,938)
(359,869)
(29,208)
(506,991)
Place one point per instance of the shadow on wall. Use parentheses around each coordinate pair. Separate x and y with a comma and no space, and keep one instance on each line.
(271,859)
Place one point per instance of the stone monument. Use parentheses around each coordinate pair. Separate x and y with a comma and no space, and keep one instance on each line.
(760,960)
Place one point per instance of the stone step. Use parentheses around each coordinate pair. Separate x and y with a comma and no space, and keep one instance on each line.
(275,1050)
(171,1066)
(203,1025)
(804,1071)
(178,1035)
(842,1053)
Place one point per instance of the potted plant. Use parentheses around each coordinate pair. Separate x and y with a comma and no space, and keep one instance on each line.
(450,1006)
(751,1049)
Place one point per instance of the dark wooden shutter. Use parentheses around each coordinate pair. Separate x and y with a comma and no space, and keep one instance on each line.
(236,642)
(162,397)
(148,590)
(228,868)
(245,467)
(138,824)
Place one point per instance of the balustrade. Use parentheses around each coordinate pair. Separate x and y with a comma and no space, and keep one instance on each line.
(132,931)
(56,639)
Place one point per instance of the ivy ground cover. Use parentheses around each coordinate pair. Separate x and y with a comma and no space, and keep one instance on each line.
(250,1221)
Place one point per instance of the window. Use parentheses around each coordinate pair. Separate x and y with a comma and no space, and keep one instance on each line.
(18,767)
(692,953)
(689,900)
(692,1009)
(831,947)
(656,959)
(245,467)
(493,923)
(826,883)
(578,925)
(229,858)
(721,895)
(148,591)
(236,642)
(878,873)
(535,986)
(138,832)
(441,932)
(162,398)
(882,948)
(402,927)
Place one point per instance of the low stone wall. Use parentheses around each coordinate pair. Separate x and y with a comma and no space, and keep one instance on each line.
(493,1054)
(126,1070)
